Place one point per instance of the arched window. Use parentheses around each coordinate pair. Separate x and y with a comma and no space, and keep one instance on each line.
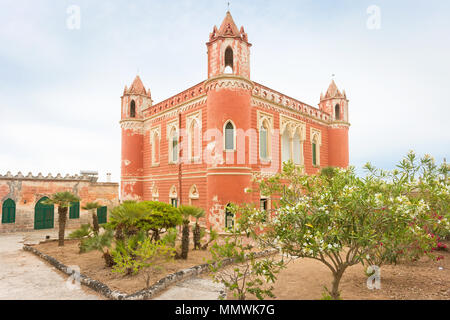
(132,109)
(264,140)
(229,136)
(314,151)
(173,146)
(229,67)
(337,112)
(297,148)
(9,211)
(229,217)
(194,140)
(155,148)
(74,211)
(285,146)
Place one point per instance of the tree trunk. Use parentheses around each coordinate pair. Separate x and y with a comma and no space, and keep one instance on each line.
(197,232)
(109,261)
(335,294)
(95,225)
(185,241)
(62,213)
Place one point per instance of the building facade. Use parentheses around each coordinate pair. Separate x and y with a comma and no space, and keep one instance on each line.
(21,200)
(203,146)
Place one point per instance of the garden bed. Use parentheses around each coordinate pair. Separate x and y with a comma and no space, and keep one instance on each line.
(303,279)
(93,266)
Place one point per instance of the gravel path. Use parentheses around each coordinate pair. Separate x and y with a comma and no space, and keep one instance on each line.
(24,276)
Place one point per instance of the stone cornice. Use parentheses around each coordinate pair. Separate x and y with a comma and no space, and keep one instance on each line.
(225,81)
(50,177)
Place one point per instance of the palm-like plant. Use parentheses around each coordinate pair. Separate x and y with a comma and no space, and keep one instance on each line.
(92,207)
(186,212)
(63,200)
(200,213)
(124,217)
(101,243)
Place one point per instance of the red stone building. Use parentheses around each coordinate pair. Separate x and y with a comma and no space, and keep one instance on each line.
(203,145)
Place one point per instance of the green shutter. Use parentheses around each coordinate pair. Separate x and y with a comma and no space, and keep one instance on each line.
(9,211)
(74,212)
(102,215)
(314,154)
(263,143)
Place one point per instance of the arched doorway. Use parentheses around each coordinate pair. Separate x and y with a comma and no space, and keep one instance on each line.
(43,215)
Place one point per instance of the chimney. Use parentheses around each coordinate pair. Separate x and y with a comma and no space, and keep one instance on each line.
(108,177)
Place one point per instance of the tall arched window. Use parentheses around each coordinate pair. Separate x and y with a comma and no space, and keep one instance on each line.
(314,151)
(229,136)
(297,148)
(264,140)
(155,148)
(132,109)
(173,145)
(285,146)
(337,112)
(194,140)
(9,211)
(229,67)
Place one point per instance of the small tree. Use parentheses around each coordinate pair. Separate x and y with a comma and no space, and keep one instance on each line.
(247,274)
(92,207)
(213,236)
(197,232)
(186,212)
(63,200)
(340,219)
(146,256)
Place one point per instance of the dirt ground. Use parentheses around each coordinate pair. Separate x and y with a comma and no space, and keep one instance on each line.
(93,265)
(304,279)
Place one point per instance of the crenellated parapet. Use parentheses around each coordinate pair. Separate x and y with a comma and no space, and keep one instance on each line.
(40,176)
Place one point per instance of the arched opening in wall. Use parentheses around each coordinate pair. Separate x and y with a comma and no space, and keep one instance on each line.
(337,112)
(194,141)
(155,149)
(297,148)
(194,196)
(264,140)
(132,109)
(314,151)
(173,196)
(173,146)
(155,193)
(229,67)
(43,215)
(229,136)
(9,211)
(285,146)
(229,217)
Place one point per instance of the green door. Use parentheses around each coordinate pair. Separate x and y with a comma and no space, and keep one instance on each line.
(101,214)
(43,215)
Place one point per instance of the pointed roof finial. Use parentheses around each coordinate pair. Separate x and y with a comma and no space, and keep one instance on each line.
(228,7)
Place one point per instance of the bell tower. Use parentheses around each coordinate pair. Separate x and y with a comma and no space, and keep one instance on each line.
(228,50)
(134,100)
(335,103)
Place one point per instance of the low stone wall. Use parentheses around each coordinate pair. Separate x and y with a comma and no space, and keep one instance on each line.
(144,294)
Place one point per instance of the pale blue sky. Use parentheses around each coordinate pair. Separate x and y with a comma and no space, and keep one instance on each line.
(60,89)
